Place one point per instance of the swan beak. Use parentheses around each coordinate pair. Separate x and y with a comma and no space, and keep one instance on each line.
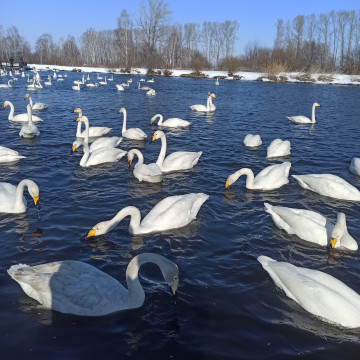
(36,202)
(226,184)
(129,162)
(75,111)
(73,149)
(174,287)
(214,96)
(333,242)
(78,119)
(91,233)
(26,96)
(153,138)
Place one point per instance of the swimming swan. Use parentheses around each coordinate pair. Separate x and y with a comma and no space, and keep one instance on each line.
(29,130)
(75,287)
(300,119)
(270,178)
(76,87)
(251,140)
(278,148)
(12,198)
(119,87)
(210,107)
(144,172)
(6,86)
(37,105)
(313,227)
(8,155)
(171,122)
(328,185)
(23,118)
(172,212)
(176,161)
(132,133)
(355,166)
(315,291)
(94,131)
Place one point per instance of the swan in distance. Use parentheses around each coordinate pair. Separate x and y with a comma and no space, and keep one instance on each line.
(300,119)
(217,82)
(171,122)
(75,287)
(119,87)
(37,105)
(94,131)
(76,87)
(132,133)
(210,107)
(8,155)
(315,291)
(278,148)
(251,140)
(173,212)
(270,178)
(355,166)
(6,86)
(23,118)
(313,227)
(29,130)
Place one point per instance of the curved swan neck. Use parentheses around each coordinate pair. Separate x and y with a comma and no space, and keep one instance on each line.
(11,114)
(139,155)
(313,114)
(19,203)
(209,102)
(249,177)
(155,117)
(30,101)
(135,218)
(162,153)
(124,120)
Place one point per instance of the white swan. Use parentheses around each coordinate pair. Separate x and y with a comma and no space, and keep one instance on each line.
(142,80)
(171,122)
(99,77)
(8,155)
(132,133)
(6,86)
(170,213)
(151,92)
(37,105)
(251,140)
(328,185)
(22,118)
(313,227)
(315,291)
(355,166)
(48,83)
(94,131)
(270,178)
(217,81)
(210,107)
(176,161)
(300,119)
(143,87)
(129,80)
(151,81)
(103,82)
(76,87)
(92,85)
(29,130)
(111,79)
(144,172)
(119,87)
(54,75)
(108,142)
(278,148)
(12,198)
(74,287)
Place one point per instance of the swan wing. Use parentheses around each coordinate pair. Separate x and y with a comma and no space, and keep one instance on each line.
(273,176)
(105,155)
(198,108)
(300,119)
(180,160)
(134,134)
(355,166)
(142,172)
(175,122)
(102,142)
(251,140)
(278,148)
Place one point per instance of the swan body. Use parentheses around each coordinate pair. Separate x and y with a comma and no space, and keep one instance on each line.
(151,81)
(176,161)
(111,79)
(251,140)
(108,142)
(8,155)
(355,166)
(103,82)
(37,105)
(132,133)
(143,87)
(94,131)
(144,172)
(313,227)
(217,82)
(12,198)
(171,122)
(315,291)
(278,148)
(151,92)
(270,178)
(74,287)
(328,185)
(76,87)
(29,130)
(170,213)
(92,85)
(210,107)
(6,86)
(129,80)
(300,119)
(23,118)
(48,83)
(119,87)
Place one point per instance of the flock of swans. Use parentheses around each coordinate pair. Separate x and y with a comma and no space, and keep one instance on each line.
(315,291)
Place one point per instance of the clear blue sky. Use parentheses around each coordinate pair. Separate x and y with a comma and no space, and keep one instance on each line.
(256,18)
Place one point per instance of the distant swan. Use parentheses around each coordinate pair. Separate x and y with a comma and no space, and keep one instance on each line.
(48,83)
(119,87)
(103,82)
(217,81)
(144,172)
(23,118)
(8,86)
(252,140)
(355,166)
(300,119)
(132,133)
(29,130)
(209,105)
(76,87)
(75,287)
(8,155)
(37,105)
(151,81)
(94,131)
(151,92)
(278,148)
(143,88)
(171,122)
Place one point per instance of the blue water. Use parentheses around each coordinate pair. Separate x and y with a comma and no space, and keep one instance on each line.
(228,307)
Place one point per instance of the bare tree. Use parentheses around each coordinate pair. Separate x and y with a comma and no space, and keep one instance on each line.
(44,47)
(124,35)
(229,29)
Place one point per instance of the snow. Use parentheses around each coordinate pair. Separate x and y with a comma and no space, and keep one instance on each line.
(336,79)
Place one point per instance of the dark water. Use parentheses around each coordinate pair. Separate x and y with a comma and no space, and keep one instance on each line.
(228,307)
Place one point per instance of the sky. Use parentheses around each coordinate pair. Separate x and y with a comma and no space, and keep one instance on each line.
(256,18)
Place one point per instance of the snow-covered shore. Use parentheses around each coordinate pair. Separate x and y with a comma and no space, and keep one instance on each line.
(336,79)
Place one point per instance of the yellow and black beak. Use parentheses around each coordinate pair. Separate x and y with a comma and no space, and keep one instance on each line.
(332,243)
(153,138)
(26,96)
(227,184)
(74,111)
(91,233)
(73,148)
(37,201)
(78,119)
(129,162)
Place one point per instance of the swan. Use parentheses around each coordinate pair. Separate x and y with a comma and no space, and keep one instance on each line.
(278,148)
(129,80)
(92,85)
(209,105)
(151,81)
(48,83)
(170,123)
(132,133)
(23,118)
(143,88)
(173,212)
(94,131)
(270,178)
(111,79)
(176,161)
(328,185)
(76,87)
(99,77)
(103,82)
(12,198)
(37,105)
(144,172)
(313,227)
(54,75)
(355,166)
(315,291)
(119,87)
(151,92)
(251,140)
(217,81)
(8,86)
(300,119)
(28,78)
(75,287)
(125,84)
(8,155)
(29,130)
(108,142)
(142,80)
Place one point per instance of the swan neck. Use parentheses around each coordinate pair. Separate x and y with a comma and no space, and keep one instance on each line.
(124,121)
(249,177)
(140,157)
(29,112)
(135,218)
(11,114)
(162,153)
(160,119)
(209,103)
(313,114)
(85,157)
(19,202)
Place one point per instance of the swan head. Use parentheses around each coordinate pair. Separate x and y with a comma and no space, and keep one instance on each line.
(100,228)
(34,192)
(77,111)
(154,117)
(76,144)
(6,103)
(338,230)
(157,135)
(130,157)
(170,272)
(230,180)
(317,104)
(122,110)
(26,96)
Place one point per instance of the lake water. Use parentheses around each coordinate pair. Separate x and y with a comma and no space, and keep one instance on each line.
(228,307)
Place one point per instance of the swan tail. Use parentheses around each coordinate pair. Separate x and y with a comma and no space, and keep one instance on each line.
(118,142)
(201,198)
(301,182)
(265,260)
(13,270)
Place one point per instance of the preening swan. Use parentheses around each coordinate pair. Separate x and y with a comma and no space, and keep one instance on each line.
(23,118)
(132,133)
(171,122)
(251,140)
(270,178)
(300,119)
(29,130)
(170,213)
(74,287)
(355,166)
(8,155)
(313,227)
(209,105)
(328,185)
(315,291)
(144,172)
(176,161)
(37,105)
(94,131)
(151,92)
(278,148)
(119,87)
(8,86)
(12,198)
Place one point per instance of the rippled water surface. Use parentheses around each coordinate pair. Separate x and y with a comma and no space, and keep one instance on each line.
(228,307)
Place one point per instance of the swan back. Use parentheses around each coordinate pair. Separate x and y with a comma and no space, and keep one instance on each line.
(355,166)
(251,140)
